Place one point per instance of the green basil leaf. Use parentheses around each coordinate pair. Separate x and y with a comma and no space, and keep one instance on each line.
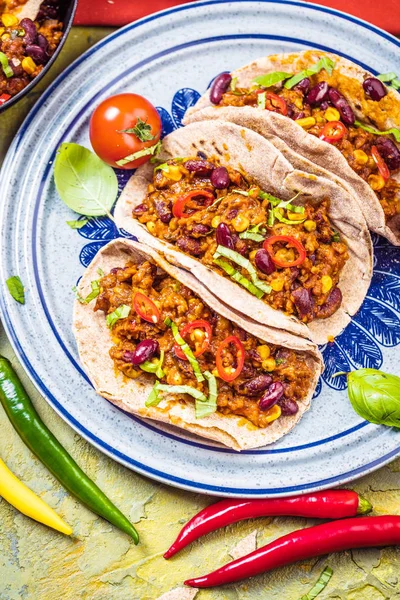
(324,63)
(154,367)
(207,407)
(321,584)
(239,278)
(119,313)
(185,349)
(142,131)
(7,70)
(84,182)
(151,150)
(270,79)
(393,131)
(261,100)
(16,288)
(77,224)
(375,396)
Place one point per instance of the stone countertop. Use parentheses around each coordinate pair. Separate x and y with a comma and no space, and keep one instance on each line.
(99,562)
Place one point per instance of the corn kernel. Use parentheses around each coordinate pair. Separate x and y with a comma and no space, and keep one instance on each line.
(28,65)
(298,102)
(361,157)
(151,226)
(9,20)
(216,221)
(5,36)
(371,163)
(273,413)
(240,223)
(292,216)
(269,364)
(277,284)
(175,379)
(306,123)
(332,114)
(198,335)
(215,372)
(2,30)
(320,119)
(326,283)
(310,225)
(285,255)
(173,173)
(376,182)
(264,351)
(252,254)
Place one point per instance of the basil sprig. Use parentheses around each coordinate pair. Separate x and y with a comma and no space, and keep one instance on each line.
(393,131)
(375,396)
(16,288)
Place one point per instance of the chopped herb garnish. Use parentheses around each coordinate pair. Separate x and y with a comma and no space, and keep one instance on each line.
(320,585)
(324,63)
(185,349)
(261,100)
(209,405)
(142,130)
(77,224)
(145,152)
(154,366)
(393,131)
(16,288)
(119,313)
(245,263)
(95,285)
(271,79)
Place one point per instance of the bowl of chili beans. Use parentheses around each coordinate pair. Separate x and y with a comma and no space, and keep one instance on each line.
(28,47)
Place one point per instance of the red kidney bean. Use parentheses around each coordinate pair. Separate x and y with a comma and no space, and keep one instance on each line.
(331,305)
(140,209)
(288,407)
(318,93)
(220,178)
(264,262)
(37,54)
(201,167)
(42,42)
(219,87)
(253,355)
(389,152)
(189,245)
(30,31)
(256,385)
(303,85)
(299,115)
(240,245)
(163,210)
(325,104)
(340,102)
(16,69)
(200,229)
(143,351)
(303,301)
(232,214)
(224,236)
(247,371)
(271,396)
(374,88)
(290,112)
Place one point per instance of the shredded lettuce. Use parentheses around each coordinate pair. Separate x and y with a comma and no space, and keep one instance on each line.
(270,79)
(207,407)
(154,367)
(254,233)
(154,396)
(393,131)
(95,285)
(245,263)
(262,100)
(239,278)
(282,219)
(324,63)
(151,150)
(185,349)
(119,313)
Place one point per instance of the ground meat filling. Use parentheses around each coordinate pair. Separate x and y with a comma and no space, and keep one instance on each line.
(264,363)
(308,290)
(355,145)
(27,45)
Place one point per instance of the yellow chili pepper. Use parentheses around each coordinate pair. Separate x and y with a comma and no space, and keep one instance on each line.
(23,499)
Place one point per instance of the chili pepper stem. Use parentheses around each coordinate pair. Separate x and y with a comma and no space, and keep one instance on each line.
(364,507)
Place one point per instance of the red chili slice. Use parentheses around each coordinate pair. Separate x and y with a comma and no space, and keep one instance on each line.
(382,166)
(145,308)
(4,98)
(199,324)
(274,102)
(184,201)
(333,132)
(292,243)
(234,340)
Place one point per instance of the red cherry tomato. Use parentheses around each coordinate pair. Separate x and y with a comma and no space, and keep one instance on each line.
(199,324)
(333,132)
(187,201)
(274,102)
(382,166)
(222,371)
(124,111)
(145,308)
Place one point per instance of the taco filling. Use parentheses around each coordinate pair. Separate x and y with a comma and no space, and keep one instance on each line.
(163,331)
(324,112)
(285,252)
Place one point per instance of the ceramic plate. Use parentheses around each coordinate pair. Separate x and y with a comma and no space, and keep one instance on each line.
(170,58)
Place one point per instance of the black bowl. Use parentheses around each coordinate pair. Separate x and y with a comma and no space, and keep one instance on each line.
(67,13)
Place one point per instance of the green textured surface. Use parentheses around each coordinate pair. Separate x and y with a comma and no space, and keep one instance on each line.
(100,563)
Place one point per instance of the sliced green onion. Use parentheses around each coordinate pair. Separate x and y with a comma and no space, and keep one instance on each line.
(394,131)
(387,76)
(95,285)
(7,70)
(324,63)
(238,277)
(185,349)
(209,405)
(278,216)
(320,585)
(154,397)
(271,79)
(253,233)
(151,150)
(262,100)
(119,313)
(245,263)
(154,367)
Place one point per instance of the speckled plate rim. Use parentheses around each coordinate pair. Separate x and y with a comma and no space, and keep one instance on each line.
(112,452)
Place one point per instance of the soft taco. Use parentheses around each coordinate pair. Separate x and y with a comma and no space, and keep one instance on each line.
(353,120)
(155,342)
(282,246)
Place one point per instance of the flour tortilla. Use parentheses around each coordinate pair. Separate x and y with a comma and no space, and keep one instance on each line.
(243,148)
(29,10)
(94,341)
(347,77)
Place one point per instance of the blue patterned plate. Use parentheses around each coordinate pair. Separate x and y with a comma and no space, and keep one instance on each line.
(170,58)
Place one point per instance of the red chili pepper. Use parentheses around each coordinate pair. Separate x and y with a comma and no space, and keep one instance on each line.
(382,166)
(292,243)
(145,308)
(333,132)
(335,536)
(333,504)
(4,98)
(181,203)
(199,324)
(274,102)
(222,372)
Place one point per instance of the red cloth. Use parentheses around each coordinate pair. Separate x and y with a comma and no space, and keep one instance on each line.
(384,13)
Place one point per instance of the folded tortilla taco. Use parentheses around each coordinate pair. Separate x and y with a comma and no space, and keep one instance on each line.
(24,10)
(353,120)
(155,342)
(284,247)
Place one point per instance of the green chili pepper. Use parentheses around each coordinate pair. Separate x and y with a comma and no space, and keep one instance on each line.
(51,453)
